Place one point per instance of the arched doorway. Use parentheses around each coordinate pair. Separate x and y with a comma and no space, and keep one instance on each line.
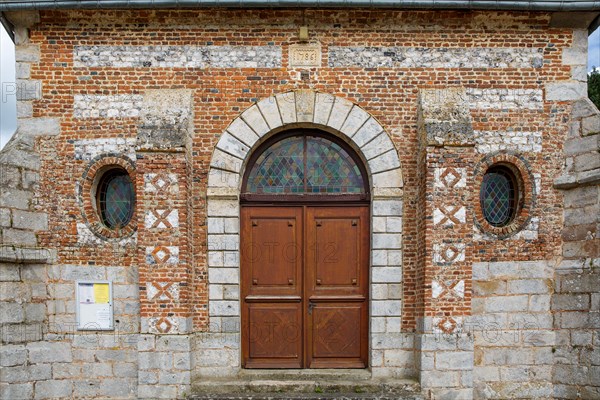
(218,351)
(304,254)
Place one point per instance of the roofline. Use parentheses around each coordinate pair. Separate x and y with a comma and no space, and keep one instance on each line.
(517,5)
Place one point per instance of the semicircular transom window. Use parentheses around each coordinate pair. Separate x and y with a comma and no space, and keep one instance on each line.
(498,196)
(116,198)
(305,165)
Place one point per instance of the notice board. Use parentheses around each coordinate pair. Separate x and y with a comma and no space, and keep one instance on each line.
(94,305)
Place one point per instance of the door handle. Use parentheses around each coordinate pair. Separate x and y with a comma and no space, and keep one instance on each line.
(311,305)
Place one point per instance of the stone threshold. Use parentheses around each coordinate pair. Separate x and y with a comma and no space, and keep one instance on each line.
(305,384)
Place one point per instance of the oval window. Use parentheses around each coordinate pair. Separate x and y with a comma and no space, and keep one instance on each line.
(498,196)
(115,198)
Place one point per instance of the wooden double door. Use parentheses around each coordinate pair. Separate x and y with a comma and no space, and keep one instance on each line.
(304,274)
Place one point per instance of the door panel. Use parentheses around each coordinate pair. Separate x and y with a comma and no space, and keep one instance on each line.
(336,265)
(304,277)
(335,333)
(271,274)
(275,335)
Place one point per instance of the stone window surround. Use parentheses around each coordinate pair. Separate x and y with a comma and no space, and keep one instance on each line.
(336,115)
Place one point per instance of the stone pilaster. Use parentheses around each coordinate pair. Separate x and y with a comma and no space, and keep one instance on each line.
(446,349)
(163,245)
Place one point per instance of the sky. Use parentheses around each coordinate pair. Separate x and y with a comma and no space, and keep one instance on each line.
(8,121)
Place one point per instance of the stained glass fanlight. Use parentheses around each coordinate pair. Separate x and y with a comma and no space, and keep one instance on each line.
(498,196)
(116,198)
(305,165)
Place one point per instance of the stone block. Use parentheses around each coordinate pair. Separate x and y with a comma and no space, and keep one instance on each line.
(11,313)
(15,198)
(388,179)
(11,355)
(232,145)
(386,308)
(223,275)
(529,286)
(574,56)
(49,352)
(367,132)
(27,53)
(286,103)
(241,131)
(270,111)
(53,388)
(384,162)
(399,358)
(34,221)
(182,361)
(590,125)
(174,378)
(154,360)
(224,308)
(42,126)
(118,388)
(506,303)
(223,208)
(19,237)
(452,394)
(173,343)
(571,302)
(66,371)
(381,144)
(486,288)
(588,161)
(97,369)
(14,292)
(571,374)
(225,161)
(539,303)
(581,145)
(579,320)
(13,391)
(253,117)
(386,241)
(486,373)
(454,360)
(341,109)
(35,312)
(443,379)
(28,89)
(386,274)
(24,109)
(305,101)
(390,341)
(156,392)
(223,179)
(580,197)
(387,207)
(356,118)
(147,377)
(565,90)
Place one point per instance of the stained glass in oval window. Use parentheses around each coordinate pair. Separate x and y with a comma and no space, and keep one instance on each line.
(305,164)
(116,198)
(498,196)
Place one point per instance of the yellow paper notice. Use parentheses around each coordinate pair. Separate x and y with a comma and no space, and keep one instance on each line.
(101,292)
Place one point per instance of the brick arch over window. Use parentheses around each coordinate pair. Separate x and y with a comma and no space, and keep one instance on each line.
(269,116)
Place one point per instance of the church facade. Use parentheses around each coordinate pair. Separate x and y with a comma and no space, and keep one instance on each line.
(195,193)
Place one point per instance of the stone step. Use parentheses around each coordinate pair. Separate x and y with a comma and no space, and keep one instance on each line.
(305,384)
(306,396)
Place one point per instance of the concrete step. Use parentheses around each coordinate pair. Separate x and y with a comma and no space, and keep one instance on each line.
(305,384)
